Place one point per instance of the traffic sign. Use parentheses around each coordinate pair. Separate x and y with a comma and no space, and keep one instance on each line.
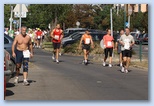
(78,23)
(20,10)
(126,24)
(14,21)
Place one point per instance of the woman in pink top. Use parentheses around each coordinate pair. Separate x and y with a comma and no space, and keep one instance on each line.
(108,47)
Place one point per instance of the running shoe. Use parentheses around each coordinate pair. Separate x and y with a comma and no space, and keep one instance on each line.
(122,69)
(16,80)
(110,65)
(126,71)
(57,61)
(120,64)
(85,62)
(26,83)
(104,64)
(53,56)
(59,54)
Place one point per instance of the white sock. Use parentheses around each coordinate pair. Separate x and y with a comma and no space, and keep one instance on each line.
(25,80)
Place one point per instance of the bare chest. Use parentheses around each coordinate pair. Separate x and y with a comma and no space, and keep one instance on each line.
(23,41)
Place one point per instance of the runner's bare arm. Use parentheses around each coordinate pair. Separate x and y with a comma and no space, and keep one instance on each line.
(92,43)
(81,41)
(52,33)
(62,34)
(13,45)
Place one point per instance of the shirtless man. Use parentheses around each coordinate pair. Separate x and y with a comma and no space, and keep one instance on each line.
(22,53)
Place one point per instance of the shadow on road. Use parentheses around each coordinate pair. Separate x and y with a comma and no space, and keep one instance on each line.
(9,85)
(9,93)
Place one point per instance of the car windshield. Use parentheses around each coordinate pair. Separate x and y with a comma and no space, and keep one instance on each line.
(73,34)
(77,36)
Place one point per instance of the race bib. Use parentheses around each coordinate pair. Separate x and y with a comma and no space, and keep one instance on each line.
(26,54)
(57,37)
(109,44)
(126,44)
(87,41)
(39,37)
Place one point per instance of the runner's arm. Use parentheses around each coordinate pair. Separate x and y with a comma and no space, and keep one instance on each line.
(52,34)
(13,45)
(81,41)
(92,43)
(62,35)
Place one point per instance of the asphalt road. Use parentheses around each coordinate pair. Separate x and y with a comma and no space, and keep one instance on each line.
(72,80)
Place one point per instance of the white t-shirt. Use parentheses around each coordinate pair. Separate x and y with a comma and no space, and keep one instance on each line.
(127,40)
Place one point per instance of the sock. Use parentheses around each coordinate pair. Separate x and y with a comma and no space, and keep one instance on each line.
(25,80)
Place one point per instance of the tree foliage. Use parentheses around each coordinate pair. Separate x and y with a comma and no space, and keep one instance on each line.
(89,15)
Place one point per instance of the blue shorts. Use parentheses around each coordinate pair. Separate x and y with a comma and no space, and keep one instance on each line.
(19,57)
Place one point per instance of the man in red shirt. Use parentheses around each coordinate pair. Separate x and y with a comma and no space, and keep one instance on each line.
(57,36)
(38,35)
(108,45)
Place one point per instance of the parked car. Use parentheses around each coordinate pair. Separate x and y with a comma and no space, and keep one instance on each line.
(139,38)
(96,36)
(7,71)
(70,31)
(8,41)
(7,65)
(145,38)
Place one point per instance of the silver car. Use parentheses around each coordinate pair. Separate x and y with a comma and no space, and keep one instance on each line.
(7,66)
(8,41)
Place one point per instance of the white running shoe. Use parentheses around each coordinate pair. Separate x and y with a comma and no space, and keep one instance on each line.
(122,69)
(16,80)
(120,64)
(57,61)
(59,54)
(104,64)
(126,71)
(53,56)
(26,83)
(110,65)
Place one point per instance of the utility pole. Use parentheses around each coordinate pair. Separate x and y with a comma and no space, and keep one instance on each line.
(111,22)
(20,17)
(11,18)
(124,16)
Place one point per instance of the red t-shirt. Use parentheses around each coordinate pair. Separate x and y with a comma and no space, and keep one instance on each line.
(108,41)
(57,34)
(39,34)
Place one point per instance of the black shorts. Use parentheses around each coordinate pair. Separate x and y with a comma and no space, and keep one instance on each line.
(56,45)
(127,53)
(108,50)
(86,47)
(19,57)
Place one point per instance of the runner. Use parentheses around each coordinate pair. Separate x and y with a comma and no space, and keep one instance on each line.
(118,47)
(108,47)
(32,36)
(86,39)
(22,53)
(127,41)
(57,36)
(38,34)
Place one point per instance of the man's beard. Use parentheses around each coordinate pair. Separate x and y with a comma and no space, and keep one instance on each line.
(23,34)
